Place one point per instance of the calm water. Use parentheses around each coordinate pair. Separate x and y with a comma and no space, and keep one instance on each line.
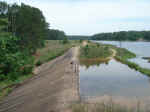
(113,78)
(141,49)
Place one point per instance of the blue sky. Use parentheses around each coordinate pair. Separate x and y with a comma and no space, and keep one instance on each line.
(87,17)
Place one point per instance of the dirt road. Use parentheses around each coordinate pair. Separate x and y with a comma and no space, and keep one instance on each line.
(51,90)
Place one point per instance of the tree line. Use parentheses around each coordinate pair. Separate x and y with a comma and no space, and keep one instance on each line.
(23,29)
(123,36)
(79,37)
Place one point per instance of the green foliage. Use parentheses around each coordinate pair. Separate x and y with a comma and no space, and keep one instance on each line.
(3,24)
(123,36)
(13,61)
(3,9)
(38,63)
(29,25)
(55,35)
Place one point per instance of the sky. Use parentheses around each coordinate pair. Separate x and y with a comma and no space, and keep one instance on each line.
(88,17)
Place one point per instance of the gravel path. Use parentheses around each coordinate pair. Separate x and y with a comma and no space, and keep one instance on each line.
(52,89)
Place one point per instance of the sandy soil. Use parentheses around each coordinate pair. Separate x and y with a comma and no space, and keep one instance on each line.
(52,89)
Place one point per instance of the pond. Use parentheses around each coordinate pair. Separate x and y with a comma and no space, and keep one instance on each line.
(114,79)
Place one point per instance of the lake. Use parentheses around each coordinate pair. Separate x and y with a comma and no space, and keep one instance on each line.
(114,78)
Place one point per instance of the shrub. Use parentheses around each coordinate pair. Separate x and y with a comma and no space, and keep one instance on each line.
(38,63)
(14,62)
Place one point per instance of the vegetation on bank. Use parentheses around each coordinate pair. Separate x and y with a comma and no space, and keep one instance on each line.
(97,53)
(133,65)
(93,51)
(123,55)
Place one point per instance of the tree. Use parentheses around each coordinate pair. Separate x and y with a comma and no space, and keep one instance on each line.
(29,24)
(55,35)
(3,9)
(123,35)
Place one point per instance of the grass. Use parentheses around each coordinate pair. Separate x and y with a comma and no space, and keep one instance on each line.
(93,51)
(133,65)
(53,49)
(123,55)
(105,107)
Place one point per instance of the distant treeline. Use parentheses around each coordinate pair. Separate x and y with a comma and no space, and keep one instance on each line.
(123,35)
(55,35)
(78,37)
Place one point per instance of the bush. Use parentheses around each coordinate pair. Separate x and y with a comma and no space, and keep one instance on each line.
(14,62)
(38,63)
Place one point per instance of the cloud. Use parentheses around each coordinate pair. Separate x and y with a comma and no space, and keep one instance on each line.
(93,16)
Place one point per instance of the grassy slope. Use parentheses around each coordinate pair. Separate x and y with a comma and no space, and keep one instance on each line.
(53,49)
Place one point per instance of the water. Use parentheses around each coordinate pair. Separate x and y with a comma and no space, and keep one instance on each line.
(141,49)
(114,78)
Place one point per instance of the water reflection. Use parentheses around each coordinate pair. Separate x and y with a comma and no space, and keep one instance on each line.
(89,63)
(112,78)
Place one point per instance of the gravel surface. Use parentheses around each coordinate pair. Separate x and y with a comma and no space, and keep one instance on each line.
(52,89)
